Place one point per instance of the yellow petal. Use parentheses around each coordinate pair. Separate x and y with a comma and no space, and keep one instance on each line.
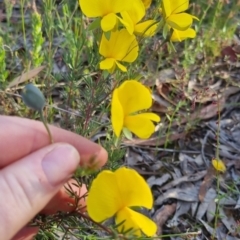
(136,13)
(170,7)
(112,191)
(127,22)
(147,3)
(134,96)
(181,21)
(146,29)
(178,36)
(178,6)
(136,221)
(151,116)
(100,8)
(117,115)
(121,46)
(103,199)
(108,22)
(107,64)
(131,51)
(166,10)
(127,180)
(121,67)
(219,165)
(142,126)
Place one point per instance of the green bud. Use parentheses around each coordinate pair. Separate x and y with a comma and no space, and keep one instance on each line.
(33,97)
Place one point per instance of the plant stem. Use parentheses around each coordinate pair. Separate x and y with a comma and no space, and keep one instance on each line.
(46,126)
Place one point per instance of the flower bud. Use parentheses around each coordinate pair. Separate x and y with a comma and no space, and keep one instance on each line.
(33,97)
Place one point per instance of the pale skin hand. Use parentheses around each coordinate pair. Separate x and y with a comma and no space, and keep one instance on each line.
(33,172)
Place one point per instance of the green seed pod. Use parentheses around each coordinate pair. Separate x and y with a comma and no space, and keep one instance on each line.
(33,97)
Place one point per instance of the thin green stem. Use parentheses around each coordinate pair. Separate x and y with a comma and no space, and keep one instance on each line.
(218,129)
(46,126)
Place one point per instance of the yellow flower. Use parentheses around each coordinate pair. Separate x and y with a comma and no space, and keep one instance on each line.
(134,15)
(147,3)
(178,36)
(173,13)
(106,9)
(127,100)
(120,47)
(219,165)
(114,193)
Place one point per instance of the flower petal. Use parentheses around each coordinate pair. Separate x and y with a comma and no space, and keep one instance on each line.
(121,67)
(137,221)
(140,125)
(132,51)
(133,189)
(219,165)
(178,6)
(121,46)
(117,115)
(147,3)
(112,191)
(166,8)
(178,36)
(134,96)
(151,116)
(181,21)
(146,29)
(103,199)
(127,22)
(100,8)
(108,22)
(107,63)
(136,13)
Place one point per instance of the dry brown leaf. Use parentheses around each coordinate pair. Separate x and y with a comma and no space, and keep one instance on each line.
(162,215)
(25,76)
(163,90)
(188,178)
(206,183)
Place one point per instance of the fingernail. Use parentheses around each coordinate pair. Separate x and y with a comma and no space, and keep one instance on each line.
(59,164)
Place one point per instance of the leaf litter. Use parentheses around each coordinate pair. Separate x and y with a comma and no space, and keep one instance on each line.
(196,199)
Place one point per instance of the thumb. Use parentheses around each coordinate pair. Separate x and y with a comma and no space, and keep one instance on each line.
(27,185)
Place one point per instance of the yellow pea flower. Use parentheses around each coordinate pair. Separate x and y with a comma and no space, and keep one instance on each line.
(120,47)
(134,15)
(114,194)
(219,165)
(178,36)
(106,9)
(173,13)
(127,100)
(147,3)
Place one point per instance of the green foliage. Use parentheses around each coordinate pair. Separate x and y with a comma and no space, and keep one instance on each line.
(3,67)
(38,40)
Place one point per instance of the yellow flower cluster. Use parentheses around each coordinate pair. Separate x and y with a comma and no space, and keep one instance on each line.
(123,20)
(122,44)
(116,194)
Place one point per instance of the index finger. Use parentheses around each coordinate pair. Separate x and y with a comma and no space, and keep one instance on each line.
(20,137)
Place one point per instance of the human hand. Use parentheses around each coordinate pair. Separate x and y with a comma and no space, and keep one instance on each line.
(32,172)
